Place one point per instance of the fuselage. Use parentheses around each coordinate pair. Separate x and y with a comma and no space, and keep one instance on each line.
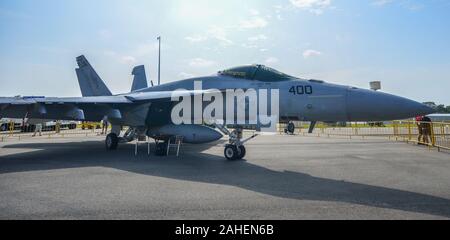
(313,100)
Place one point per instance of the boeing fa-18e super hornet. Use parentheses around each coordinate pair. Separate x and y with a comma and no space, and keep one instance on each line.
(159,113)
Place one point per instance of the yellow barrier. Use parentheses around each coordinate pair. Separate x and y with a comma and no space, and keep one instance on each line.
(436,134)
(57,131)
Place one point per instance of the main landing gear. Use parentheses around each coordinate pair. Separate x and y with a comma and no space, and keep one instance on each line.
(235,149)
(112,141)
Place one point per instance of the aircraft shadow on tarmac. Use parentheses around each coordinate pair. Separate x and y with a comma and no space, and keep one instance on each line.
(200,167)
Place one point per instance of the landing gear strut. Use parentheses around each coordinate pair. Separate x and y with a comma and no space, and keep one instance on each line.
(235,150)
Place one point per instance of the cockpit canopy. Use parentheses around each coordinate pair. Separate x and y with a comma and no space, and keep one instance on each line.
(256,72)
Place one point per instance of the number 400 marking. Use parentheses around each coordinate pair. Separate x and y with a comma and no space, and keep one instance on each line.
(300,90)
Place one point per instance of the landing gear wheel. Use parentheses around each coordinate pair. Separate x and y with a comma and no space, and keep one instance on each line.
(161,149)
(291,128)
(242,152)
(231,152)
(112,141)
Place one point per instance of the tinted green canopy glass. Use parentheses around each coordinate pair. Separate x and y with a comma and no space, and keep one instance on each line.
(256,72)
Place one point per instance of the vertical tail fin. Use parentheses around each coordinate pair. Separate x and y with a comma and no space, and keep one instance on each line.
(140,80)
(90,83)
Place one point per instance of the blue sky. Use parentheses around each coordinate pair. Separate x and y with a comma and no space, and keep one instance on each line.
(403,43)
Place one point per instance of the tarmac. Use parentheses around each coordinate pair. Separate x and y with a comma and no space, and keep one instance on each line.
(282,177)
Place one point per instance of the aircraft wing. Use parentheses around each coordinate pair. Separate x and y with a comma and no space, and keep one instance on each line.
(86,108)
(4,101)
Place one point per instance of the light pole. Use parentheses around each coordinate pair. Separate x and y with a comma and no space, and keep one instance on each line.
(159,61)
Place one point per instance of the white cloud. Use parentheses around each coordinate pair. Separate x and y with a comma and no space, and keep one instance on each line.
(316,11)
(257,38)
(214,32)
(311,53)
(128,60)
(219,33)
(185,75)
(409,5)
(272,60)
(381,2)
(124,59)
(255,22)
(201,63)
(306,4)
(314,6)
(254,12)
(196,38)
(250,46)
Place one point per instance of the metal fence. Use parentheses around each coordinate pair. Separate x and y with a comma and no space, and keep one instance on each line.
(349,129)
(17,132)
(436,134)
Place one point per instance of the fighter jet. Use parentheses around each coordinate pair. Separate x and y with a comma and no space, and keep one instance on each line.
(148,111)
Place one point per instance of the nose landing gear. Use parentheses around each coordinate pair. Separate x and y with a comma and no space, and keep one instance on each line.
(235,150)
(234,153)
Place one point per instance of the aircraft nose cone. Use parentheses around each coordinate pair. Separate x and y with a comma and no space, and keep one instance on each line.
(367,105)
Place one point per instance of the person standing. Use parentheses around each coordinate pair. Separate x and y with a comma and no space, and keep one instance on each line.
(105,126)
(426,129)
(419,127)
(38,129)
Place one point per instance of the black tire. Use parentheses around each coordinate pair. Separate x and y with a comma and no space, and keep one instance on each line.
(112,141)
(231,152)
(4,127)
(242,152)
(72,126)
(161,149)
(291,128)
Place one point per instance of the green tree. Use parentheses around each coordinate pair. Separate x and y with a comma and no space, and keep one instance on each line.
(441,108)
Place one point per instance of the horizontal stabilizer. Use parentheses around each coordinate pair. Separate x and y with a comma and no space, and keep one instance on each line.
(91,84)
